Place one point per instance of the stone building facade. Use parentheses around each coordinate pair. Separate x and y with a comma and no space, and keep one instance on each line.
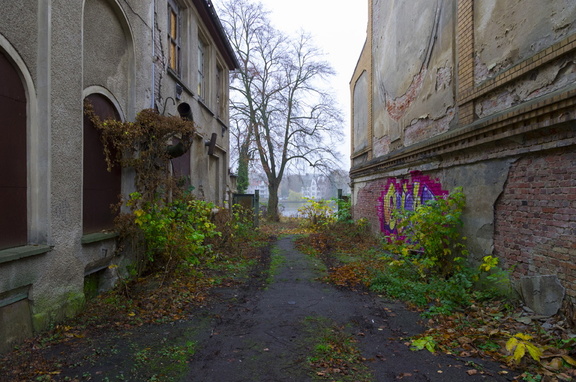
(55,192)
(480,95)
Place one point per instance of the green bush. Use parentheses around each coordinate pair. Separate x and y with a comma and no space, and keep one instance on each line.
(317,213)
(437,294)
(174,231)
(427,266)
(429,237)
(344,211)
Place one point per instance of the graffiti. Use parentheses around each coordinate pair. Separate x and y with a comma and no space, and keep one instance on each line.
(405,194)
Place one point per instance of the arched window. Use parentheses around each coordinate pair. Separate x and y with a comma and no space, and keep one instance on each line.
(101,188)
(13,155)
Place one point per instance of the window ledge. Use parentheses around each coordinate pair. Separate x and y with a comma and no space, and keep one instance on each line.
(179,80)
(205,106)
(17,253)
(98,236)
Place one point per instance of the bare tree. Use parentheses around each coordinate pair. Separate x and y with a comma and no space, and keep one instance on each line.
(280,98)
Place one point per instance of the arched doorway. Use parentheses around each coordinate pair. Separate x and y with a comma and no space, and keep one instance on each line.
(101,188)
(13,157)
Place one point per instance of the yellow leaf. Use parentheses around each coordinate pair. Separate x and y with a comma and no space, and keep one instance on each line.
(569,359)
(511,344)
(535,352)
(519,352)
(523,336)
(131,314)
(555,364)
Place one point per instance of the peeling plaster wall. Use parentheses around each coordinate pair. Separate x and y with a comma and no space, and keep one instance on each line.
(552,77)
(413,58)
(507,31)
(360,114)
(482,189)
(507,135)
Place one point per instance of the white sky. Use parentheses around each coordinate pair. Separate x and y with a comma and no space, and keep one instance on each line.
(338,28)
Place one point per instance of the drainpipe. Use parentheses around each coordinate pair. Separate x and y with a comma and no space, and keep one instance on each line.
(153,98)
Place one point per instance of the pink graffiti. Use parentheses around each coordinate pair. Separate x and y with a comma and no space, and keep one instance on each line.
(405,194)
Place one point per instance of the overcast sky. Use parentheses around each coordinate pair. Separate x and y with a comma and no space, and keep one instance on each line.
(338,27)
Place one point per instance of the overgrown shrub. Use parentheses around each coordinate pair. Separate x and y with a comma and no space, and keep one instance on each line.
(344,210)
(235,225)
(429,236)
(146,146)
(175,231)
(427,263)
(316,213)
(165,222)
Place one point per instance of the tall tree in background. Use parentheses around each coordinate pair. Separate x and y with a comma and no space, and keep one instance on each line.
(281,106)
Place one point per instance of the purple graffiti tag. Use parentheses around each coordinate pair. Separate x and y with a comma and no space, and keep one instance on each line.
(405,194)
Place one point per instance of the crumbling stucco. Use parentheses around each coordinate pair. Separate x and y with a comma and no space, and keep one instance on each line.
(413,70)
(554,76)
(482,184)
(507,32)
(426,127)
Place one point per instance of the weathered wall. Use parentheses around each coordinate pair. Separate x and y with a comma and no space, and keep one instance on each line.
(413,64)
(536,217)
(508,33)
(63,52)
(108,52)
(502,126)
(22,31)
(360,115)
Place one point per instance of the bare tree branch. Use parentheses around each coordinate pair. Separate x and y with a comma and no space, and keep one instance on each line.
(281,105)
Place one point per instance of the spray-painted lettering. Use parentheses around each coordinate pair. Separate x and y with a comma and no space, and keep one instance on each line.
(407,194)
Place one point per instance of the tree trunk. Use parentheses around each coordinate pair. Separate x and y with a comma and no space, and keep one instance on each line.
(243,162)
(273,213)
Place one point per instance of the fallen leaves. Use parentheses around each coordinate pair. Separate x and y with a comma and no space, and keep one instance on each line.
(493,331)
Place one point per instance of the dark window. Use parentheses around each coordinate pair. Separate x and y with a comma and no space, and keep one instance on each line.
(101,188)
(13,156)
(181,168)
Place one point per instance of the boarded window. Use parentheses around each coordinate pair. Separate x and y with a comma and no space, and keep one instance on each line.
(101,188)
(13,156)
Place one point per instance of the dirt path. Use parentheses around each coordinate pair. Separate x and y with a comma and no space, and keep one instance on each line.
(263,331)
(265,336)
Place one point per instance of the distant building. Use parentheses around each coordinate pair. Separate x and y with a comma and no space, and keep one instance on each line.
(55,192)
(479,95)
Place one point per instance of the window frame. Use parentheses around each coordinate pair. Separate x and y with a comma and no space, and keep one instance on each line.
(174,39)
(202,62)
(221,99)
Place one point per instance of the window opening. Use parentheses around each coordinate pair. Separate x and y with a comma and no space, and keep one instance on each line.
(174,37)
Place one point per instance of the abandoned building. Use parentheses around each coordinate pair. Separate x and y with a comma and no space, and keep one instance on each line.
(479,95)
(55,192)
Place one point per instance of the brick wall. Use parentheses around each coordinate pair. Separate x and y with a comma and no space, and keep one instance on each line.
(367,203)
(535,217)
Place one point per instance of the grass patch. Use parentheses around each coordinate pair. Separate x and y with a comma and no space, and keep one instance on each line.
(334,355)
(276,261)
(165,362)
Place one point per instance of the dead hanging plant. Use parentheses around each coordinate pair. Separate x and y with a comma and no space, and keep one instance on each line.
(145,145)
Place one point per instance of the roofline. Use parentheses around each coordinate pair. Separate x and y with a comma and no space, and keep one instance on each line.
(210,17)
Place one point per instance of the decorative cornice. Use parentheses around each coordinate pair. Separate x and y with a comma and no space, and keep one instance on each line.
(556,107)
(551,53)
